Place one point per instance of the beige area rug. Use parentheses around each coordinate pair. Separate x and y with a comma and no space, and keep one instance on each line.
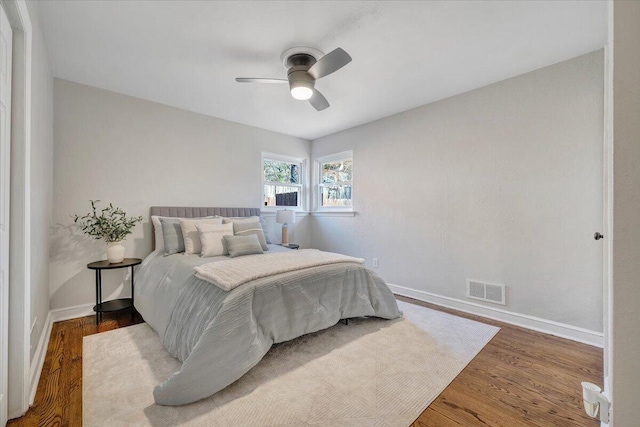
(370,373)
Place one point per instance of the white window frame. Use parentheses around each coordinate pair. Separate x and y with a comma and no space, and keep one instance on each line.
(302,187)
(317,199)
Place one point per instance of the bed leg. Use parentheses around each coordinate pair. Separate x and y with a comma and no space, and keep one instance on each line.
(346,322)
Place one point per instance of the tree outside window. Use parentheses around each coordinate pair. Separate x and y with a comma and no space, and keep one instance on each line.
(335,187)
(282,184)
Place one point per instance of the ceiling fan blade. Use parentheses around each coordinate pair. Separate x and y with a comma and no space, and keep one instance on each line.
(318,101)
(329,63)
(254,80)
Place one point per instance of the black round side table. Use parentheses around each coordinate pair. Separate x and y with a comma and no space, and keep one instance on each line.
(116,304)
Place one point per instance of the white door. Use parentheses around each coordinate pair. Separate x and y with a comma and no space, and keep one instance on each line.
(6,38)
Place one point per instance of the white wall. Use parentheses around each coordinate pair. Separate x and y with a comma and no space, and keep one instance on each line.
(625,322)
(138,154)
(41,176)
(502,184)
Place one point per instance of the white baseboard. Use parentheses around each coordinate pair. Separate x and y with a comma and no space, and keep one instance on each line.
(37,362)
(551,327)
(60,314)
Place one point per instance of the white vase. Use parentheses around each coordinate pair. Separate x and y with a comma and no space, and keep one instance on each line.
(115,252)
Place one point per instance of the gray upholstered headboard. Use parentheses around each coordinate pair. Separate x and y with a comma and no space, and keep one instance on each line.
(191,212)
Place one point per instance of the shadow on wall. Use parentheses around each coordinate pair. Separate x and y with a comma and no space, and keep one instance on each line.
(68,242)
(72,283)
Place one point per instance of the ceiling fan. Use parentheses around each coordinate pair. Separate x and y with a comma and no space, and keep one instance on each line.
(304,66)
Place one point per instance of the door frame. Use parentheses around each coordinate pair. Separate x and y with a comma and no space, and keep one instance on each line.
(5,194)
(607,250)
(20,219)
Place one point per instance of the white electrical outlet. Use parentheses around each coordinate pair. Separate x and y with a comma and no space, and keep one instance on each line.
(375,262)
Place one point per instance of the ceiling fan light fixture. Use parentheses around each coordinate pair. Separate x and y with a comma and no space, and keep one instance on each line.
(304,66)
(302,90)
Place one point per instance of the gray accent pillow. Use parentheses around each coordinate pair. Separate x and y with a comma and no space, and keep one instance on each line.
(265,231)
(172,235)
(247,228)
(243,245)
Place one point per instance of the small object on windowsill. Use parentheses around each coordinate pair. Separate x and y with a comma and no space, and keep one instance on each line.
(291,246)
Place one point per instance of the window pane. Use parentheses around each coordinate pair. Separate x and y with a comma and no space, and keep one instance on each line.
(284,172)
(338,195)
(277,195)
(338,171)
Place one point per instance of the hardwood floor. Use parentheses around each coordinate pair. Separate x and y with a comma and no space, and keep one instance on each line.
(58,399)
(521,378)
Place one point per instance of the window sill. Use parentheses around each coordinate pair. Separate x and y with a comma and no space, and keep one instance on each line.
(334,213)
(272,212)
(269,213)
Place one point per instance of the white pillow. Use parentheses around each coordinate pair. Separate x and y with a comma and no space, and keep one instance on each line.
(212,238)
(190,233)
(247,219)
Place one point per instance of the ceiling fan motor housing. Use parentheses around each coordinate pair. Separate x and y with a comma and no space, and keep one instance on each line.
(301,83)
(298,77)
(298,63)
(300,59)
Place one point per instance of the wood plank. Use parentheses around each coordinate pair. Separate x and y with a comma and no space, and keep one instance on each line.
(50,405)
(516,391)
(469,408)
(432,418)
(521,378)
(74,409)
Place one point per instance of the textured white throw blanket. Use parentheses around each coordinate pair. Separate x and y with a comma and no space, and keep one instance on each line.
(230,274)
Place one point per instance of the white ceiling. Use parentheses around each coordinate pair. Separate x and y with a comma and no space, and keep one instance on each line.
(405,54)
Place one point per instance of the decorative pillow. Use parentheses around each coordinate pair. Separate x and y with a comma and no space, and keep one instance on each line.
(265,231)
(211,238)
(227,220)
(245,219)
(243,245)
(172,235)
(246,228)
(159,234)
(190,232)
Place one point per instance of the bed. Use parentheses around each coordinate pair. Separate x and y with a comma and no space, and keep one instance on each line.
(220,335)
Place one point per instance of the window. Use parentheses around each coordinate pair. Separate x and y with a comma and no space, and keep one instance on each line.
(282,181)
(335,181)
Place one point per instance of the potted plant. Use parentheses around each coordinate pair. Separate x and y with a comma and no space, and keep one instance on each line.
(110,224)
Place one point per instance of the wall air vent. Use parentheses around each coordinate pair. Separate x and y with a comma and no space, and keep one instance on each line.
(487,292)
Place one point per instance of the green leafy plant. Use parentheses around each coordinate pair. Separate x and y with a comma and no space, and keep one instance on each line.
(110,224)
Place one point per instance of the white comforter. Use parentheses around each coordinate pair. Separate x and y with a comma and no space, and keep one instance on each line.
(237,271)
